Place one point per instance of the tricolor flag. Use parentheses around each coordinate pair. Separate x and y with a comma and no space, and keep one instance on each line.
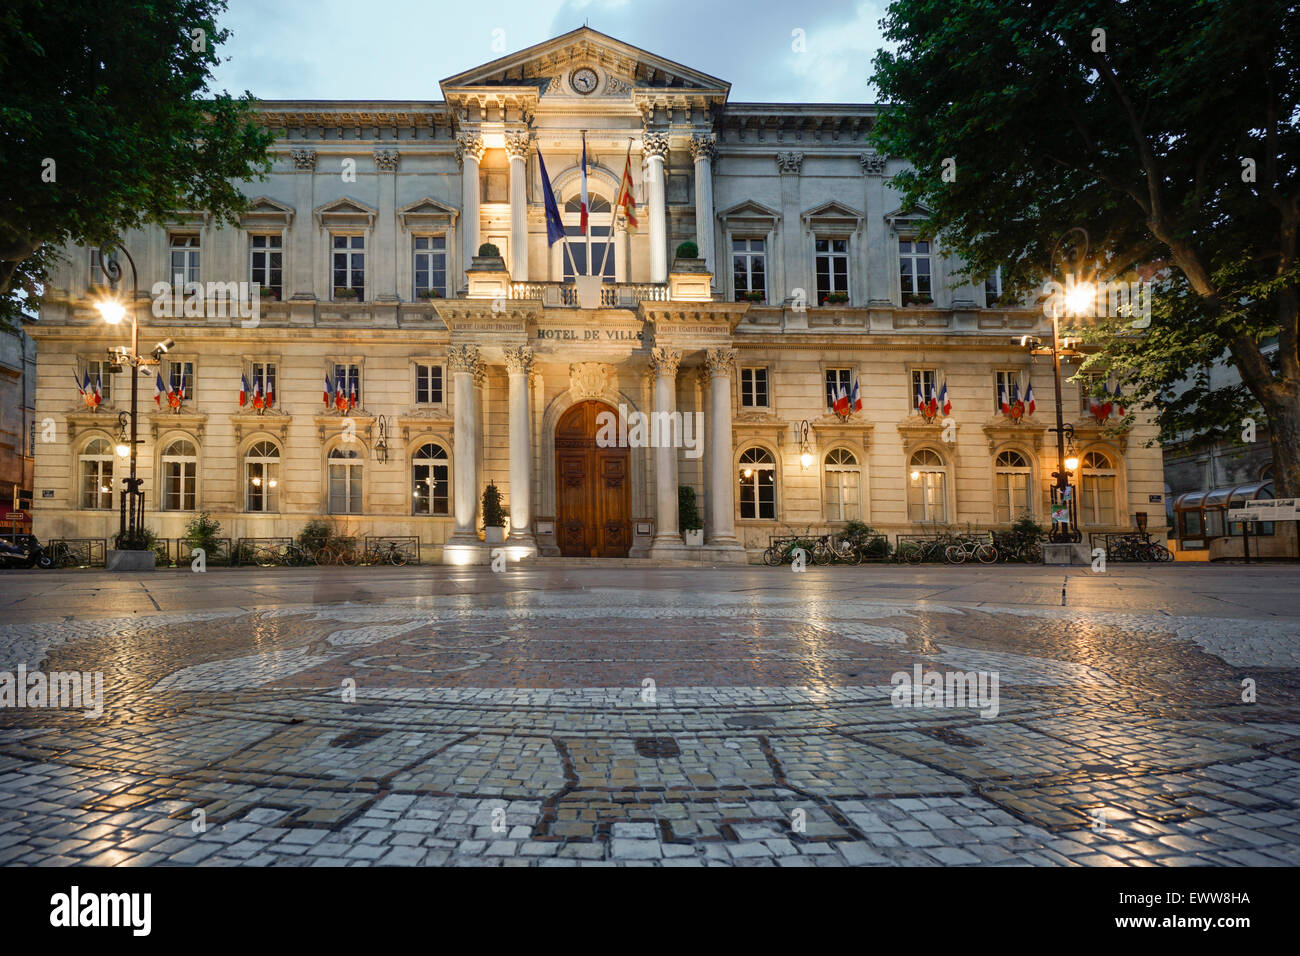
(933,406)
(175,395)
(340,392)
(1004,402)
(841,406)
(99,388)
(855,404)
(159,390)
(80,387)
(1119,405)
(1030,404)
(585,205)
(554,224)
(625,200)
(1095,408)
(944,402)
(243,389)
(270,393)
(920,396)
(329,391)
(257,393)
(352,394)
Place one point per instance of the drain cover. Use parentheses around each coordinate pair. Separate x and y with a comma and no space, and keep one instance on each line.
(657,747)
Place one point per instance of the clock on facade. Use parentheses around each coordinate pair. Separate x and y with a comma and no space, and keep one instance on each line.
(584,80)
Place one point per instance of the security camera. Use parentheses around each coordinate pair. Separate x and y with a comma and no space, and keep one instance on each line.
(163,347)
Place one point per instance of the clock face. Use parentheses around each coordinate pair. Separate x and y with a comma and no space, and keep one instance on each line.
(584,80)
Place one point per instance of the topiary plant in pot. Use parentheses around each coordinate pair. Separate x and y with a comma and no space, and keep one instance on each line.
(688,517)
(687,258)
(494,515)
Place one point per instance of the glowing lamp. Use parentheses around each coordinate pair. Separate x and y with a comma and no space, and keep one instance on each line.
(1071,463)
(111,310)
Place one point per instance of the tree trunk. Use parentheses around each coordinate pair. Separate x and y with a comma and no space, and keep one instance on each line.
(1284,435)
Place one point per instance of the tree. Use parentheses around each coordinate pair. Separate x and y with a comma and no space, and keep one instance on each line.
(1169,129)
(108,124)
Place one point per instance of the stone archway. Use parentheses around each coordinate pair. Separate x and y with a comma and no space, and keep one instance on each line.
(593,500)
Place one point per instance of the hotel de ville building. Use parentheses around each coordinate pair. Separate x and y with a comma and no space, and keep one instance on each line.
(406,371)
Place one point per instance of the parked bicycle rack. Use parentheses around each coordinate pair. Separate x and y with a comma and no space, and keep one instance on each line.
(409,545)
(87,552)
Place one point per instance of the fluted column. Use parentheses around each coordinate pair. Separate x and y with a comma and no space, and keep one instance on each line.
(519,363)
(469,150)
(720,366)
(879,283)
(464,364)
(385,283)
(667,537)
(703,149)
(656,152)
(304,230)
(517,149)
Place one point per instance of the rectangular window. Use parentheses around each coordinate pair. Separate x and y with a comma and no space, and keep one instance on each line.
(1005,382)
(181,377)
(914,270)
(749,269)
(97,276)
(266,263)
(993,288)
(430,267)
(832,270)
(100,375)
(184,259)
(592,255)
(347,382)
(837,379)
(753,387)
(925,386)
(178,488)
(263,376)
(348,267)
(428,384)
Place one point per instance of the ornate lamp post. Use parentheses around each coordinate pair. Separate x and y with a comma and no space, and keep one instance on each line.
(113,311)
(1078,296)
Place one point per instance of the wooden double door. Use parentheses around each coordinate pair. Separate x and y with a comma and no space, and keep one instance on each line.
(593,492)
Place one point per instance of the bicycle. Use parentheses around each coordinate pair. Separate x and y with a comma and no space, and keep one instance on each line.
(984,552)
(343,555)
(287,555)
(389,551)
(57,555)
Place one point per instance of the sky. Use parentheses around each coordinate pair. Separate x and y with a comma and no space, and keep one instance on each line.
(400,49)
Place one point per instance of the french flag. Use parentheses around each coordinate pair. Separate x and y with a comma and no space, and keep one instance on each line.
(856,402)
(99,388)
(329,391)
(944,402)
(1015,394)
(159,389)
(920,396)
(270,393)
(1002,399)
(352,395)
(1119,404)
(243,389)
(257,393)
(841,406)
(934,401)
(1030,404)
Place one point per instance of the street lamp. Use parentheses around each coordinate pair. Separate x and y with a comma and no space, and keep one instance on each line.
(805,453)
(1078,298)
(113,311)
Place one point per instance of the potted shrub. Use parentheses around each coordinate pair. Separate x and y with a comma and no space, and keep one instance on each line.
(343,293)
(494,515)
(489,259)
(427,294)
(749,296)
(687,259)
(688,517)
(835,298)
(917,298)
(203,531)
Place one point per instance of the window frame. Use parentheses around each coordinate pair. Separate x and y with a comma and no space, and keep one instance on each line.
(103,474)
(832,256)
(922,371)
(433,463)
(427,366)
(915,258)
(268,472)
(766,465)
(431,254)
(924,484)
(349,251)
(190,246)
(349,460)
(741,248)
(749,389)
(266,252)
(188,477)
(1026,471)
(842,468)
(846,379)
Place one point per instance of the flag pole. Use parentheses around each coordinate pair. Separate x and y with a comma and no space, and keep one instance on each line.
(568,250)
(613,211)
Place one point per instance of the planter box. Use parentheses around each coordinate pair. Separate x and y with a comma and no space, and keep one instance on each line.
(494,535)
(694,539)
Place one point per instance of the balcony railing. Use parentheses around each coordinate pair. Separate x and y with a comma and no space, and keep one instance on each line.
(613,295)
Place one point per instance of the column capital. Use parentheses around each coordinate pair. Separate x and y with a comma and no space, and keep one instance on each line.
(654,144)
(463,358)
(665,362)
(789,163)
(519,360)
(873,163)
(704,147)
(719,363)
(386,160)
(303,159)
(471,143)
(518,144)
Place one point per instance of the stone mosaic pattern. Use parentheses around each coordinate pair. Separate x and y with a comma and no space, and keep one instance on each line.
(521,730)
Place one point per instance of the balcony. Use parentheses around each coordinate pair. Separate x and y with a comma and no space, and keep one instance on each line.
(613,295)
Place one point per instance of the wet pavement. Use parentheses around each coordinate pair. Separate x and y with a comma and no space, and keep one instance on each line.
(585,715)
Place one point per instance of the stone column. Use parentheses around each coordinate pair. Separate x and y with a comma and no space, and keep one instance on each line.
(620,252)
(304,229)
(386,227)
(879,284)
(667,537)
(794,256)
(656,152)
(464,363)
(720,366)
(703,149)
(519,363)
(517,149)
(469,150)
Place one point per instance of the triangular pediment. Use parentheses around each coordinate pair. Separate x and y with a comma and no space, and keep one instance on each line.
(833,210)
(427,209)
(264,209)
(620,68)
(346,209)
(751,210)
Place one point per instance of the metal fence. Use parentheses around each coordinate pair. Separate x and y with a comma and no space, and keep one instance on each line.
(178,551)
(246,550)
(78,552)
(409,545)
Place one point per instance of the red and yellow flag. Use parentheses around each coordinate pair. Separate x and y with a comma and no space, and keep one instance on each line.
(625,199)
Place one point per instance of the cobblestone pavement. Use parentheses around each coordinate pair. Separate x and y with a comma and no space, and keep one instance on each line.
(743,717)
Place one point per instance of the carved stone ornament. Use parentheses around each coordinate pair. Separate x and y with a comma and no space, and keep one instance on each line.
(665,361)
(463,358)
(519,360)
(704,146)
(790,163)
(873,164)
(304,159)
(720,363)
(471,143)
(517,145)
(386,160)
(655,144)
(588,379)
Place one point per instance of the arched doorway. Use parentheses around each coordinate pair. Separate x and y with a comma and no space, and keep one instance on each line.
(592,493)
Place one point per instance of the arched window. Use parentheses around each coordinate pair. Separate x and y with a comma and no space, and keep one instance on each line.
(842,483)
(1097,498)
(97,474)
(345,482)
(179,466)
(430,484)
(262,477)
(592,254)
(927,487)
(1011,482)
(757,484)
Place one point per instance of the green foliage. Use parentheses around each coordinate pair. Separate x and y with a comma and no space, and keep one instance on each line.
(1141,142)
(688,511)
(315,534)
(494,515)
(202,531)
(146,540)
(488,250)
(871,542)
(119,99)
(688,250)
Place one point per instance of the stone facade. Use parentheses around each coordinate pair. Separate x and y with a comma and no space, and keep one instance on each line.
(374,212)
